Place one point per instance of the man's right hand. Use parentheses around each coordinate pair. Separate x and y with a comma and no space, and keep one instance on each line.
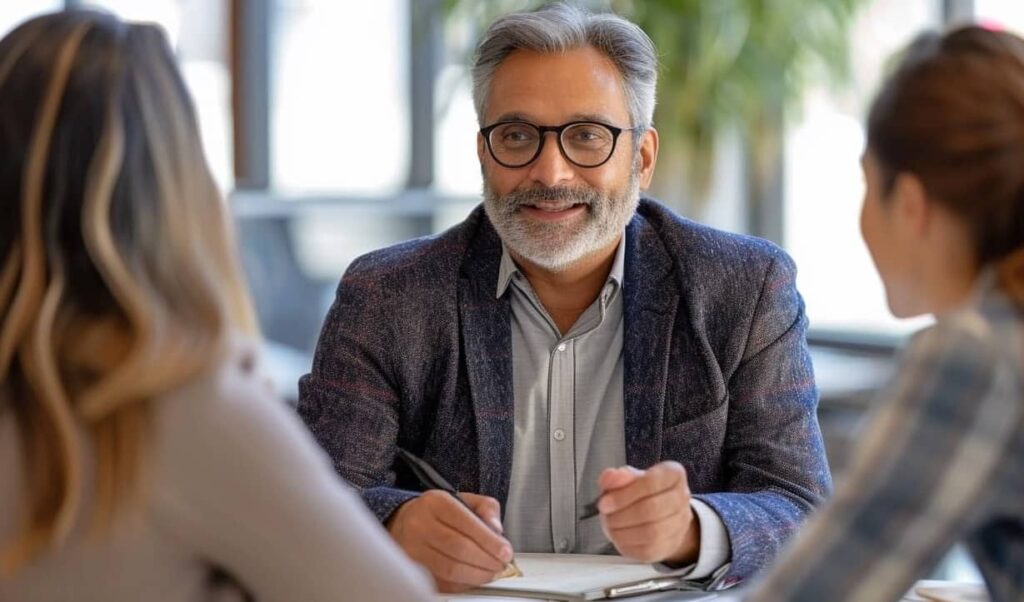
(459,550)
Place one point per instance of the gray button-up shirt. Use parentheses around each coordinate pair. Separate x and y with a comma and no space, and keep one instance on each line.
(570,422)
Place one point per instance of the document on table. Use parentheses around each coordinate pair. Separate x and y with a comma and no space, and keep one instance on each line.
(577,577)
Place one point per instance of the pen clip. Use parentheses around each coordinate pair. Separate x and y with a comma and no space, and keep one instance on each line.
(718,578)
(642,587)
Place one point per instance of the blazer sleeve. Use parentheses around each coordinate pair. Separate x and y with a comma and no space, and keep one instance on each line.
(350,399)
(775,466)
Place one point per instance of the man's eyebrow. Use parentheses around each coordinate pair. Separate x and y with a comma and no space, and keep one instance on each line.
(514,116)
(592,117)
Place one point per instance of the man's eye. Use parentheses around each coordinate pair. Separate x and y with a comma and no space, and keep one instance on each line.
(589,136)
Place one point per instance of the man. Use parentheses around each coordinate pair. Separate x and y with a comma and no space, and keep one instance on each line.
(570,341)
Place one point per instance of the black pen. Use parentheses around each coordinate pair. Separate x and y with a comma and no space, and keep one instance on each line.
(431,479)
(590,510)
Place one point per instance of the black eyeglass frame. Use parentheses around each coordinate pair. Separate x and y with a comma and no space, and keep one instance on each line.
(557,129)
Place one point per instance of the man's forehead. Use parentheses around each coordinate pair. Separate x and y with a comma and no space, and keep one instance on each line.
(535,119)
(580,84)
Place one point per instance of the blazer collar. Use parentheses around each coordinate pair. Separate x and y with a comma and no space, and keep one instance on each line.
(651,300)
(487,352)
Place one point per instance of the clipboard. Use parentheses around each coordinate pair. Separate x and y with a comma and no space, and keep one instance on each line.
(584,577)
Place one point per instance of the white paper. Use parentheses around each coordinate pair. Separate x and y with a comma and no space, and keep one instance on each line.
(571,576)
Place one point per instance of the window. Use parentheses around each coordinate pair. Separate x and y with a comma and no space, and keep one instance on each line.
(458,169)
(198,31)
(1008,14)
(824,186)
(14,12)
(339,116)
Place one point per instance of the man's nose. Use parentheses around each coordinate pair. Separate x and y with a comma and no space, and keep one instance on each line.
(551,168)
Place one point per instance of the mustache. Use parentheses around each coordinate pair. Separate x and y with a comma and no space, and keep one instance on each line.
(532,196)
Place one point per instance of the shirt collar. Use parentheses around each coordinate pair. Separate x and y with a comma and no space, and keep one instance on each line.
(508,268)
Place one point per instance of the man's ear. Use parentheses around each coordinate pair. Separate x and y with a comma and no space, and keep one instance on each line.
(481,147)
(648,157)
(910,201)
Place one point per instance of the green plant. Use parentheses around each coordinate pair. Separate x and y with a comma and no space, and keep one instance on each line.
(739,64)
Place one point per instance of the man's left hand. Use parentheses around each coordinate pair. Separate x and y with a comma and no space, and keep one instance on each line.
(647,513)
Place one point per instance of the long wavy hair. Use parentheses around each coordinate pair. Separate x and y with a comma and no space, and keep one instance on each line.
(118,273)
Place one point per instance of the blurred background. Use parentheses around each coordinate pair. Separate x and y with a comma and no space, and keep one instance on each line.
(339,126)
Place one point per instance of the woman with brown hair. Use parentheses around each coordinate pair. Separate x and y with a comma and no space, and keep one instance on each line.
(141,452)
(943,217)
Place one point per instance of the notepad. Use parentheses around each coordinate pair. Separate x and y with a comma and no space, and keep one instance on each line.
(576,577)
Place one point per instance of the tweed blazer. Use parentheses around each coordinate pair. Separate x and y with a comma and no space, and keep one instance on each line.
(416,352)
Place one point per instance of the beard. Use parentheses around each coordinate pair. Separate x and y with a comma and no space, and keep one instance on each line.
(556,246)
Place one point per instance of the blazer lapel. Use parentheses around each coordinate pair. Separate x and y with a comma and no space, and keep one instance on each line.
(651,298)
(487,348)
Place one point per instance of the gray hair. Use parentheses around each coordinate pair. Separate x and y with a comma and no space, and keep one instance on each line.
(561,27)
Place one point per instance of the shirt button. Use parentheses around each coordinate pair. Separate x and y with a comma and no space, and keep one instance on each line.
(563,545)
(559,434)
(561,347)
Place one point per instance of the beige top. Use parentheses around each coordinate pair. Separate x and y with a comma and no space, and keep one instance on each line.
(236,484)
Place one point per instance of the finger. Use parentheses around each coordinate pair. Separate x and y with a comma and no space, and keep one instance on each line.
(649,531)
(449,587)
(615,478)
(646,544)
(487,508)
(461,520)
(652,509)
(659,478)
(453,570)
(457,546)
(622,499)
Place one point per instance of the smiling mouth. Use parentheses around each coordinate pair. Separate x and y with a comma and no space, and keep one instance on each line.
(552,206)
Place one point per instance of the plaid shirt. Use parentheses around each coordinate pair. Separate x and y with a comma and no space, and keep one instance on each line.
(942,462)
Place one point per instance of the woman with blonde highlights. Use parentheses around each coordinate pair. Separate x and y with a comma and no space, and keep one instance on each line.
(943,218)
(142,456)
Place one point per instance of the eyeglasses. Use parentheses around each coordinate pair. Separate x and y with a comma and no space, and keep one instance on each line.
(583,143)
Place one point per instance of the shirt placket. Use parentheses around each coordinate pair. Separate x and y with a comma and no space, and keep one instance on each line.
(562,456)
(562,423)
